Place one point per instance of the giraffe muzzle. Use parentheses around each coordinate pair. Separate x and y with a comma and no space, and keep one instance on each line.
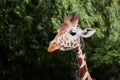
(53,48)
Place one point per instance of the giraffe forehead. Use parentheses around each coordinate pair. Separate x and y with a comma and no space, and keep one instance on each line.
(62,31)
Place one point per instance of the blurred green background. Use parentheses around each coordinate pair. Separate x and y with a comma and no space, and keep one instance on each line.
(27,27)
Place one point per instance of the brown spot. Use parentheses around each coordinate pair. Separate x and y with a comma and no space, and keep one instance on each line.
(75,44)
(68,44)
(76,50)
(87,78)
(83,70)
(65,47)
(85,58)
(80,61)
(74,40)
(83,52)
(71,43)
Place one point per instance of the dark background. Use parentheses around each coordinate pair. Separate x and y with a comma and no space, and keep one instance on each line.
(27,27)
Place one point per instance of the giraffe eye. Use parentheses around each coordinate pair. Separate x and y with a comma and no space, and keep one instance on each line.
(72,33)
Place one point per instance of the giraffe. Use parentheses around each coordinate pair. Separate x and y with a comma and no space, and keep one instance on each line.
(70,37)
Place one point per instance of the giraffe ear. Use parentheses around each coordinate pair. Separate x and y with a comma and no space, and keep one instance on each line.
(87,32)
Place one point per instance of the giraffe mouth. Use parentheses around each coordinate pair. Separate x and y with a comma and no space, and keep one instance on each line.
(53,48)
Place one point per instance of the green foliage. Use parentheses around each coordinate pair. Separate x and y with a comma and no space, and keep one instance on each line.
(27,26)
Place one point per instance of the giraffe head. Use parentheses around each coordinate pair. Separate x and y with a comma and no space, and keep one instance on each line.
(69,35)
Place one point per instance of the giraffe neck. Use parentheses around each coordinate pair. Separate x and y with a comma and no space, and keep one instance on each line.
(82,71)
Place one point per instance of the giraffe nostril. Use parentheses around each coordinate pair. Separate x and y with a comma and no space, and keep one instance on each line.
(54,43)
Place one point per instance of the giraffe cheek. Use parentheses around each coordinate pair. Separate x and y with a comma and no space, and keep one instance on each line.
(53,48)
